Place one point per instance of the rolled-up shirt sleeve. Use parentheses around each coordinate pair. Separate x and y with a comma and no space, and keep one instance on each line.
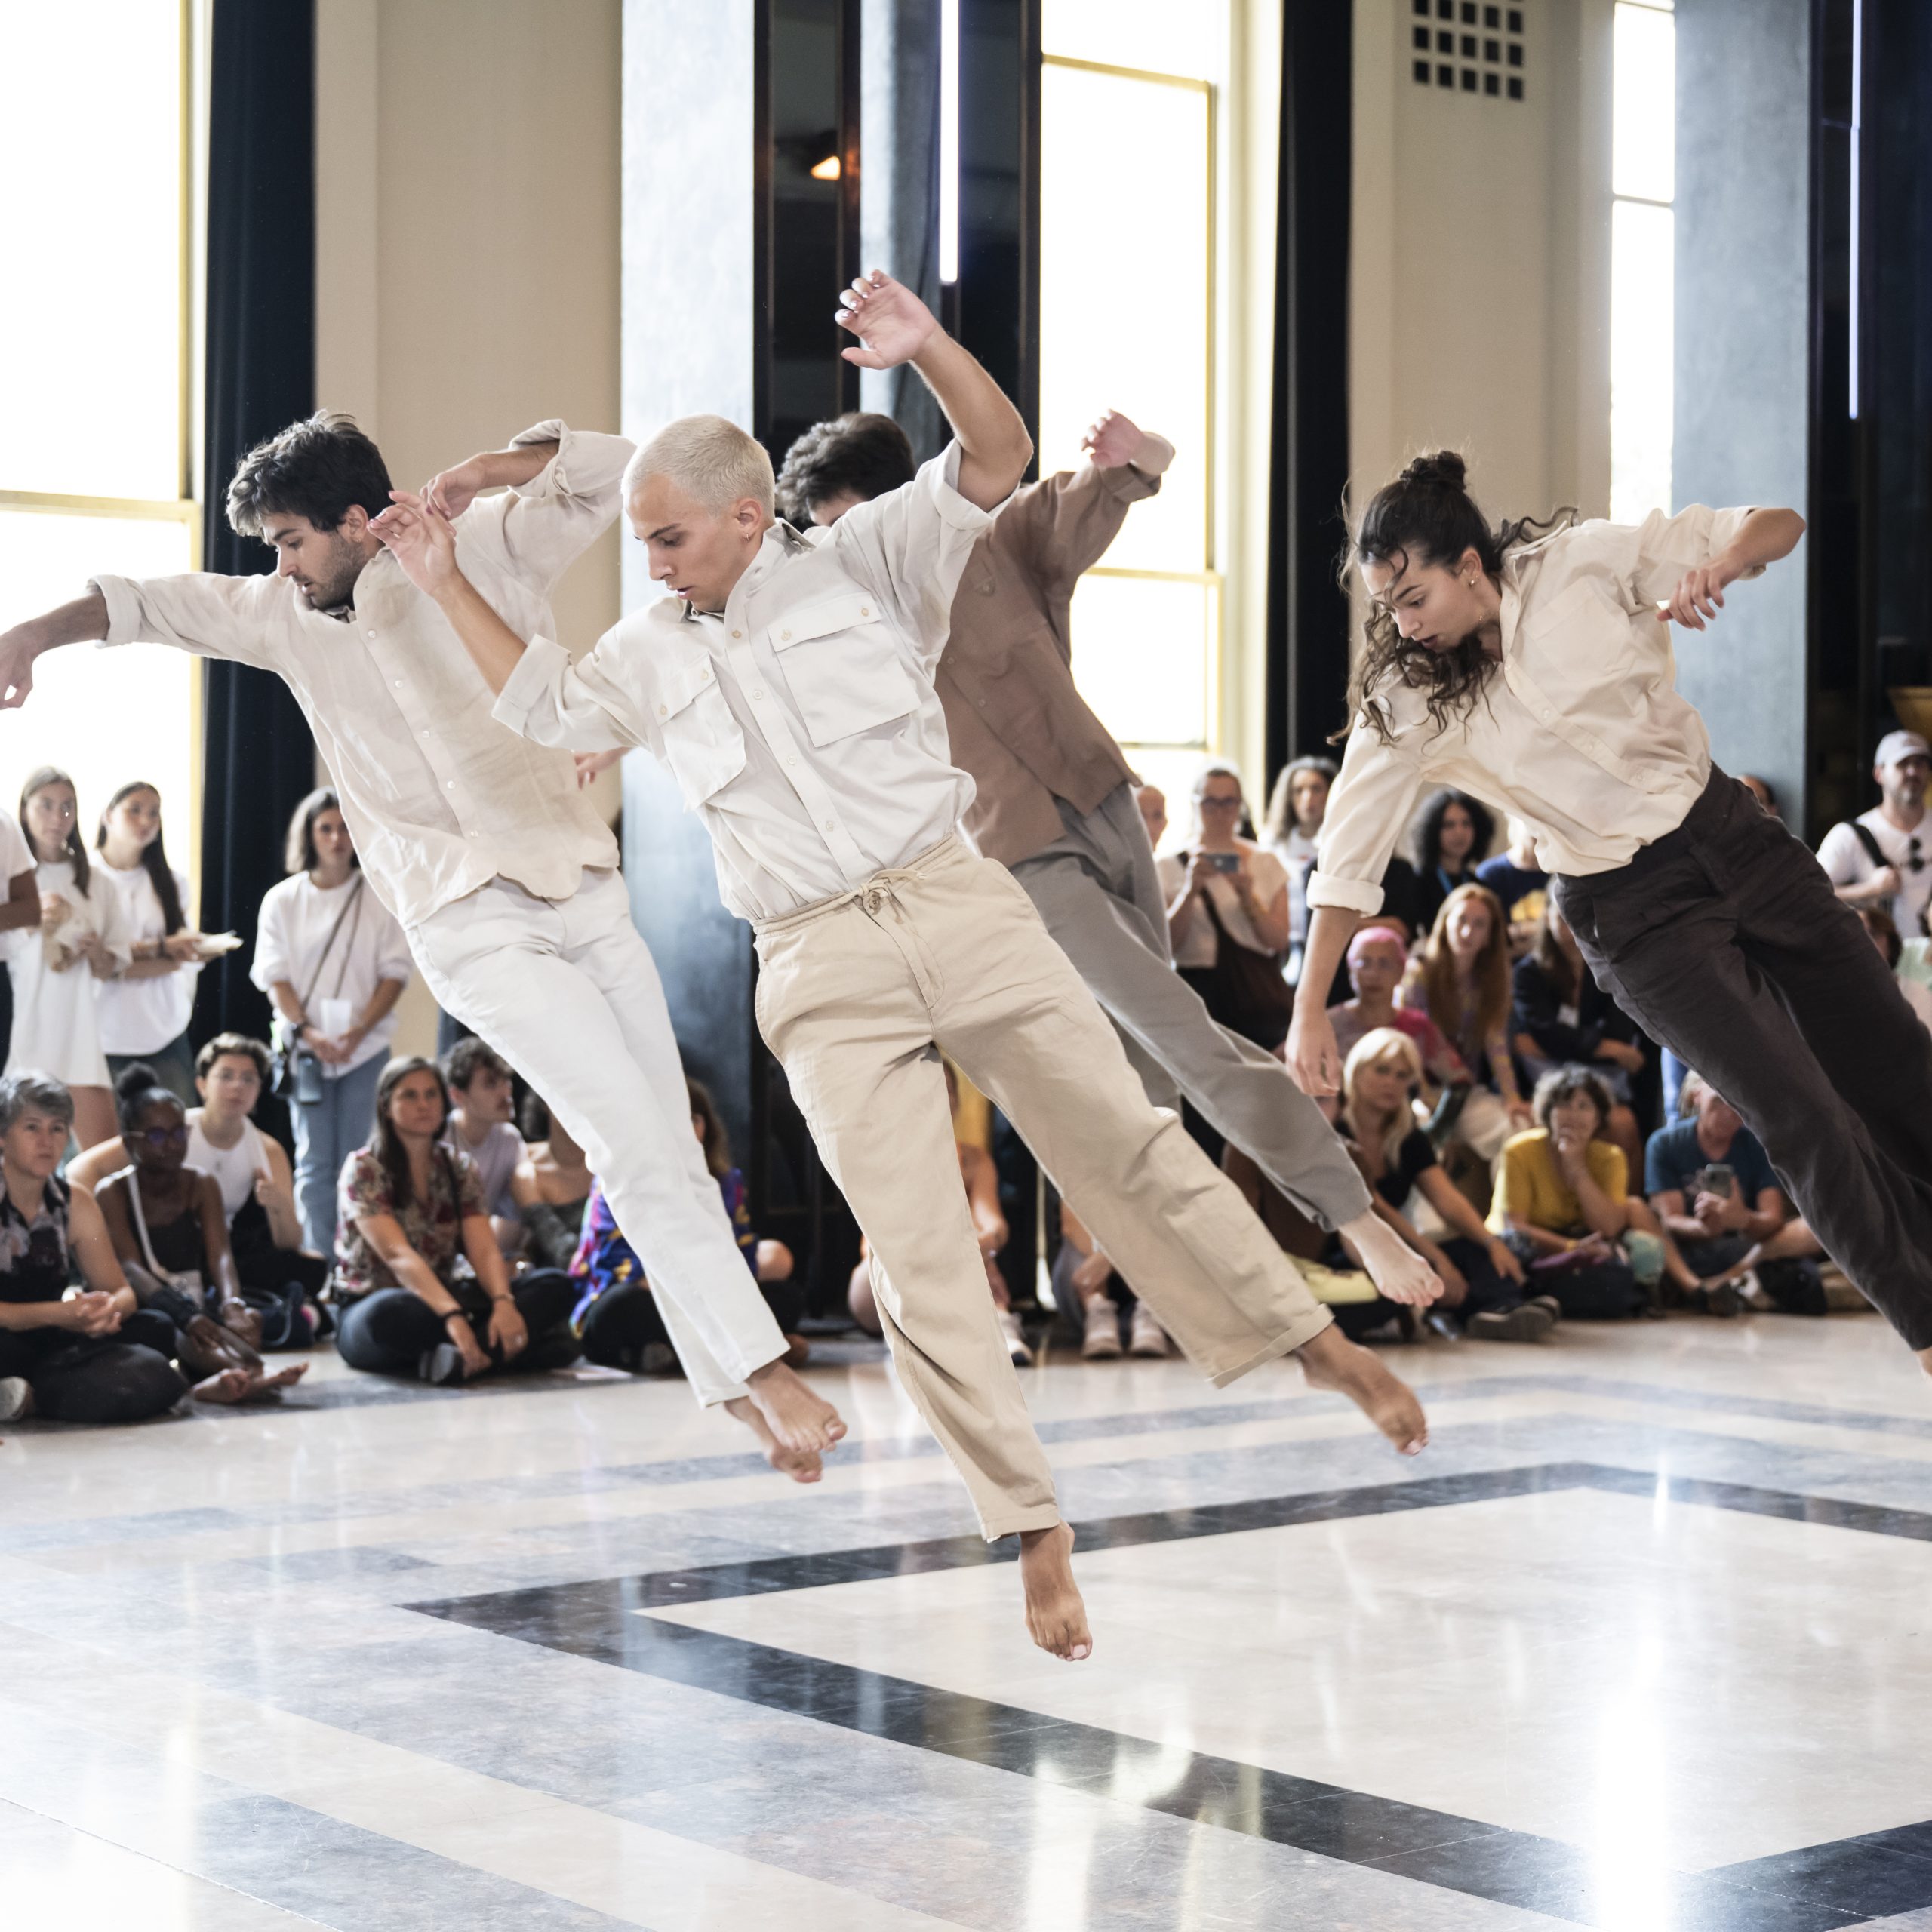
(579,706)
(544,525)
(1368,809)
(1652,556)
(213,616)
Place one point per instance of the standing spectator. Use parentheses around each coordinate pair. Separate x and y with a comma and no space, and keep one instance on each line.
(1451,836)
(422,1286)
(1228,914)
(332,957)
(144,1007)
(56,968)
(1884,858)
(1295,810)
(1561,1016)
(1462,982)
(1151,802)
(1711,1185)
(1376,961)
(19,912)
(1885,936)
(1518,880)
(483,1104)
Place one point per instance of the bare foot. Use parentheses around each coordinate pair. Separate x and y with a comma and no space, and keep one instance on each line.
(1394,1266)
(225,1386)
(1925,1360)
(1056,1617)
(801,1464)
(1331,1361)
(799,1418)
(263,1387)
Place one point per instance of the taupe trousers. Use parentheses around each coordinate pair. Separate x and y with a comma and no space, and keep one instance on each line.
(1097,889)
(856,996)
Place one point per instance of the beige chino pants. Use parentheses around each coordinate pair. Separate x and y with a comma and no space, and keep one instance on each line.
(856,996)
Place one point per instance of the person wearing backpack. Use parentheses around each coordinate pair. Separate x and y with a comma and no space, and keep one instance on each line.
(1884,858)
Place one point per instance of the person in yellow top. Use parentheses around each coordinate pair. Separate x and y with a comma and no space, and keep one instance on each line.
(1562,1202)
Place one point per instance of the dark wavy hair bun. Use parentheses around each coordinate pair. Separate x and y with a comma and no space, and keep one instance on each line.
(1445,470)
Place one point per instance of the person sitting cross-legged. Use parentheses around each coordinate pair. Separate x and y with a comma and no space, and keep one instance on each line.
(1711,1184)
(1095,1295)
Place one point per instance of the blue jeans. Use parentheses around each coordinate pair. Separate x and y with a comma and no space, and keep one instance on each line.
(326,1134)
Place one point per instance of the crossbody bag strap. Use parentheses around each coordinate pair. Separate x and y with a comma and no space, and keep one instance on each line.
(349,945)
(328,946)
(1868,839)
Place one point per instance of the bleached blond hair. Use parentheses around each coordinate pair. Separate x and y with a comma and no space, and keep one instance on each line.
(712,461)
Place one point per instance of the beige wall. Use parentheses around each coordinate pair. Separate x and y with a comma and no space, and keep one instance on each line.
(467,245)
(1480,271)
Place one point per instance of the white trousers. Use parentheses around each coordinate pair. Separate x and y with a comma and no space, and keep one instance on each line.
(566,991)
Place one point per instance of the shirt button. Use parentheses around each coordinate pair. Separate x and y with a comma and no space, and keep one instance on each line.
(784,637)
(757,690)
(663,711)
(372,633)
(737,633)
(397,681)
(426,730)
(865,610)
(449,784)
(790,763)
(830,824)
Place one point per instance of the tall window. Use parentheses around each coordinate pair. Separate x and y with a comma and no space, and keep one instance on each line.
(1643,173)
(95,461)
(1128,296)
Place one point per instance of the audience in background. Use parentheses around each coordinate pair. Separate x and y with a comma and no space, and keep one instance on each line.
(1520,883)
(144,1006)
(1563,1202)
(19,912)
(483,1100)
(1883,858)
(1462,982)
(1560,1016)
(1088,1288)
(58,967)
(1760,788)
(616,1313)
(421,1286)
(1711,1187)
(1884,935)
(1228,914)
(1153,803)
(1377,959)
(171,1237)
(1295,808)
(556,1182)
(333,959)
(93,1357)
(1451,837)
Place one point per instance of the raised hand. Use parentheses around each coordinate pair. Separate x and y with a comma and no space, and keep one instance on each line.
(1112,441)
(450,492)
(892,324)
(1699,595)
(420,539)
(17,654)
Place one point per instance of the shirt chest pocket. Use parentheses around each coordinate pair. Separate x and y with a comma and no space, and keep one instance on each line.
(843,668)
(703,744)
(1583,651)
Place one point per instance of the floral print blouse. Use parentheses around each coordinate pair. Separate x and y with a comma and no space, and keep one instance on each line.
(434,1228)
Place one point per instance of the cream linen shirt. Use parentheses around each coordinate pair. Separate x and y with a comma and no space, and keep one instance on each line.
(803,722)
(1584,736)
(439,797)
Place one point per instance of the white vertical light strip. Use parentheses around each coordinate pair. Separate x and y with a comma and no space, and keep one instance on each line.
(948,140)
(1857,105)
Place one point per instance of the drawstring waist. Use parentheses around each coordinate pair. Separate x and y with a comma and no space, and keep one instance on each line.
(873,896)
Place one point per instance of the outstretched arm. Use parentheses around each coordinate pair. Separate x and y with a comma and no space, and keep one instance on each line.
(420,538)
(80,622)
(894,326)
(1765,537)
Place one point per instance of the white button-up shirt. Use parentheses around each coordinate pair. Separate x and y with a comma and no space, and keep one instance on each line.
(440,798)
(802,721)
(1579,731)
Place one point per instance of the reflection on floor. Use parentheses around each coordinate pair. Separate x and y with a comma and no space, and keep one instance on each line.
(1640,1643)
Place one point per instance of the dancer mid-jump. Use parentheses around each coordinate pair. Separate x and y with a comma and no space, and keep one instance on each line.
(1531,666)
(504,878)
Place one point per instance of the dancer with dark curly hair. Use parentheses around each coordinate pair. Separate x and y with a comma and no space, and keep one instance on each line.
(1530,667)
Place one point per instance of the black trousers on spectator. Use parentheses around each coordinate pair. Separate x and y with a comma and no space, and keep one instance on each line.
(1725,941)
(277,1282)
(1793,1284)
(126,1376)
(622,1322)
(389,1332)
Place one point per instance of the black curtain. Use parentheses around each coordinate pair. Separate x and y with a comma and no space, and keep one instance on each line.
(258,759)
(1308,616)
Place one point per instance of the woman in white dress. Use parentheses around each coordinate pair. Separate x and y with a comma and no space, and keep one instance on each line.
(331,956)
(58,967)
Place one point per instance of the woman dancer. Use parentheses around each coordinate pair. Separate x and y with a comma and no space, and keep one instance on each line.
(1531,666)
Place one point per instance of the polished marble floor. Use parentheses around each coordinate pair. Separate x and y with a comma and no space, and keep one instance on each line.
(1644,1642)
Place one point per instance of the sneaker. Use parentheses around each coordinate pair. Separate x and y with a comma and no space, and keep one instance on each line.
(1016,1342)
(1751,1292)
(656,1359)
(441,1366)
(1102,1340)
(15,1398)
(1549,1301)
(1440,1321)
(1528,1323)
(1145,1336)
(1725,1302)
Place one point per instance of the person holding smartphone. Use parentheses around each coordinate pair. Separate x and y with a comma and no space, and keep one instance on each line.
(1225,892)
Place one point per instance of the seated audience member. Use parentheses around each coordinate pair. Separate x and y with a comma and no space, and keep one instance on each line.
(421,1286)
(1450,836)
(1462,982)
(616,1313)
(556,1181)
(171,1237)
(332,958)
(1521,883)
(1560,1016)
(1152,804)
(1086,1285)
(1883,858)
(1227,900)
(57,967)
(1563,1203)
(1295,808)
(483,1105)
(1711,1185)
(1918,995)
(95,1357)
(1482,1278)
(1377,958)
(1760,788)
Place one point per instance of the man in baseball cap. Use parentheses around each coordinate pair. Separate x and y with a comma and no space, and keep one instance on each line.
(1884,858)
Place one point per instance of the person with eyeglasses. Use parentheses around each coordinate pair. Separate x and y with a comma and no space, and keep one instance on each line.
(1884,858)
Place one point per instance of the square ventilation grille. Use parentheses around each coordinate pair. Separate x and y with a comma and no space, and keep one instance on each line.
(1467,47)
